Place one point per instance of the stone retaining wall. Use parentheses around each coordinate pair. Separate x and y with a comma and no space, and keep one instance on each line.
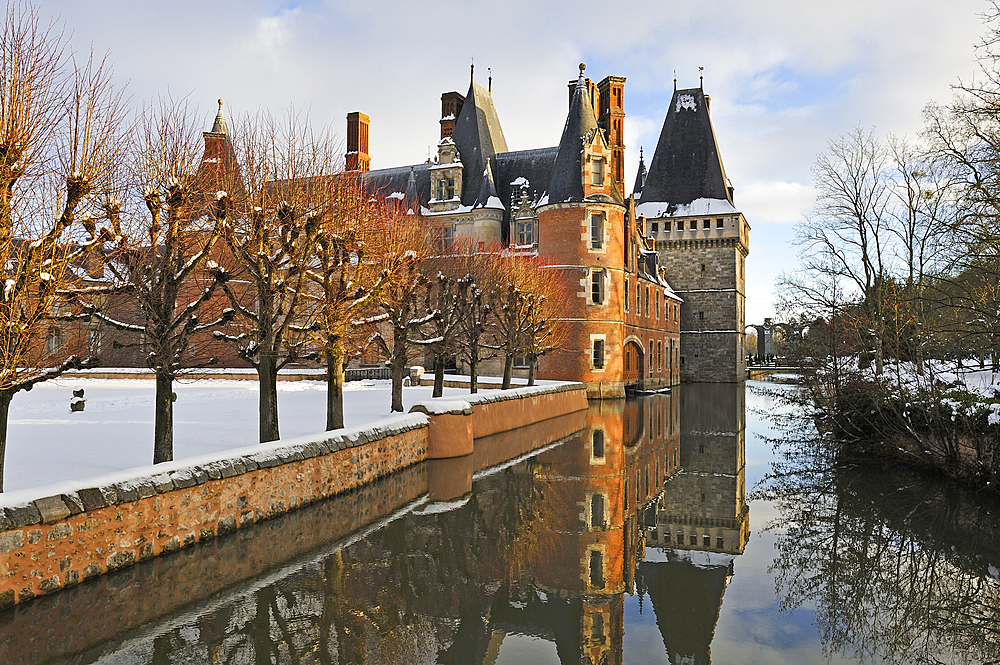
(81,531)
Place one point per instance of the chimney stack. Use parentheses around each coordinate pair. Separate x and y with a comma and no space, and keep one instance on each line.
(357,158)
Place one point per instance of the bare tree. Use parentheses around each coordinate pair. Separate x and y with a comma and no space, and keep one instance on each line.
(284,168)
(59,126)
(158,253)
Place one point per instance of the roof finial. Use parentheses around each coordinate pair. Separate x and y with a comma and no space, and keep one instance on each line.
(701,78)
(472,70)
(640,153)
(490,83)
(580,81)
(219,127)
(675,80)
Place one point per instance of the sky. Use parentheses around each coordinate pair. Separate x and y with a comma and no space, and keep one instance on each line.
(785,76)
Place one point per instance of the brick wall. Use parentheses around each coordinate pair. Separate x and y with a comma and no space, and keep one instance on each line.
(58,541)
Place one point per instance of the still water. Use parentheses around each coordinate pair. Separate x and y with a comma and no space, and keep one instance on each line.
(671,529)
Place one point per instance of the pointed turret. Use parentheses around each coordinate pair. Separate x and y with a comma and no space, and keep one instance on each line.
(686,165)
(219,126)
(487,191)
(640,177)
(581,126)
(478,137)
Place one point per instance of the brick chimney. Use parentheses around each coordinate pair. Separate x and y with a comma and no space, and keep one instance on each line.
(451,107)
(357,158)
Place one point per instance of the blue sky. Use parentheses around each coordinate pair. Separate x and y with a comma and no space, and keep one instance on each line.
(785,76)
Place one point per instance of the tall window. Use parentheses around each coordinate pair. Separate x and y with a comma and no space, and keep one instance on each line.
(596,569)
(598,354)
(596,230)
(451,188)
(597,511)
(626,294)
(647,301)
(597,287)
(597,627)
(659,355)
(598,443)
(657,304)
(651,356)
(525,233)
(597,166)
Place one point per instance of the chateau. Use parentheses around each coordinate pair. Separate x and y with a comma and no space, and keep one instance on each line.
(660,270)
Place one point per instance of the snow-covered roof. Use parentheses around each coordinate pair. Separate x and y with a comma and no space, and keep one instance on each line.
(698,207)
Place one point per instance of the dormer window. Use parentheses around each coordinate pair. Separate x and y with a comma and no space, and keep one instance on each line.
(597,169)
(525,233)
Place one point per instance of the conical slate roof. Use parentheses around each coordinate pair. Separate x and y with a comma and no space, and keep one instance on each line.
(487,191)
(640,176)
(686,165)
(478,137)
(567,179)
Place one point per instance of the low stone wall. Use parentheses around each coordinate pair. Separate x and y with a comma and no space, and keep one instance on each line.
(84,530)
(60,540)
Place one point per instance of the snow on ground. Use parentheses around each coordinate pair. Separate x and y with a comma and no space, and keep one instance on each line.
(46,443)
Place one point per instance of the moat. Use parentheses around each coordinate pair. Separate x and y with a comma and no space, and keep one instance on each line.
(668,530)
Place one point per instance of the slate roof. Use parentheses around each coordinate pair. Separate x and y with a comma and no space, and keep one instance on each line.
(478,137)
(640,176)
(567,181)
(397,179)
(686,165)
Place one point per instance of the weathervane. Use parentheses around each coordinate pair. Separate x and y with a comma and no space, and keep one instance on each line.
(701,77)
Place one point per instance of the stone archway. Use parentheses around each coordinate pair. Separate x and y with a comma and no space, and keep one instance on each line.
(633,361)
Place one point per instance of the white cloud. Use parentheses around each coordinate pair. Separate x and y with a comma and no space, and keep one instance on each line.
(775,201)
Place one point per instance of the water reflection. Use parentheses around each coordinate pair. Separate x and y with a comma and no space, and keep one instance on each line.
(702,521)
(531,562)
(900,567)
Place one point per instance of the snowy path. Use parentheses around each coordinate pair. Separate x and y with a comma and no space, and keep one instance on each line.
(46,443)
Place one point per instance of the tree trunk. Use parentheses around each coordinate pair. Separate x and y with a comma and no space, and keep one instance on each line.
(163,427)
(398,372)
(508,369)
(532,370)
(474,367)
(267,377)
(334,388)
(5,397)
(438,375)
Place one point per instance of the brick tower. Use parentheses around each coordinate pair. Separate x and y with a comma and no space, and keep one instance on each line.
(612,121)
(581,225)
(701,238)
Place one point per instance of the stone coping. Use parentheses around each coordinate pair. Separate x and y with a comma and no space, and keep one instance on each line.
(24,508)
(462,405)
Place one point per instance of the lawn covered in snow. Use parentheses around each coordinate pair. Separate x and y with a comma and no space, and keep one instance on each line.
(46,443)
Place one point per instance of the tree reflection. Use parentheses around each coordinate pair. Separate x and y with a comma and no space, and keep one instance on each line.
(900,567)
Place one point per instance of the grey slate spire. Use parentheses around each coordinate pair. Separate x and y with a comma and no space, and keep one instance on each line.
(686,165)
(411,188)
(486,190)
(478,137)
(219,126)
(640,176)
(567,172)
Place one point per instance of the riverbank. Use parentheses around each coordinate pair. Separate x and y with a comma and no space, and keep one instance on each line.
(84,529)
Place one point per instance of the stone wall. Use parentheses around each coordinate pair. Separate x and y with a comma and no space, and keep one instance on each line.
(81,531)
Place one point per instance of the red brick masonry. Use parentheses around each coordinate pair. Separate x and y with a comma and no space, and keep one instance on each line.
(57,541)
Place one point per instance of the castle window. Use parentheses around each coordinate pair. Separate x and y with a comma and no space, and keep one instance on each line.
(525,233)
(694,539)
(659,355)
(596,569)
(701,316)
(707,224)
(598,443)
(597,231)
(720,543)
(451,188)
(647,301)
(597,169)
(694,224)
(597,511)
(719,223)
(597,287)
(597,627)
(651,356)
(598,358)
(657,304)
(638,299)
(677,312)
(53,340)
(626,295)
(656,227)
(703,267)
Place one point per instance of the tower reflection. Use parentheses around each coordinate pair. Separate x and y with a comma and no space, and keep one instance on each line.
(702,521)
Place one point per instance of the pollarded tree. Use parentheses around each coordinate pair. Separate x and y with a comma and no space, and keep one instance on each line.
(285,170)
(157,251)
(399,311)
(343,274)
(59,140)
